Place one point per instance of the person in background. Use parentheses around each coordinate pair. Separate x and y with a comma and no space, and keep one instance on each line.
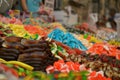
(112,13)
(31,5)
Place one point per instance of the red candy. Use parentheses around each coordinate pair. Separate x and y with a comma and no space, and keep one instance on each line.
(64,67)
(101,48)
(97,76)
(68,49)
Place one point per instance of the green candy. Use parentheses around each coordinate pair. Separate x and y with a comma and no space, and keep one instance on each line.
(85,36)
(21,69)
(10,65)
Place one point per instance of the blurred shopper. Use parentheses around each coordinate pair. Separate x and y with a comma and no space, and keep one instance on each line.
(112,13)
(31,5)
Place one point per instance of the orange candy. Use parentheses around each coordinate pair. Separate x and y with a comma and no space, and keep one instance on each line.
(35,30)
(101,48)
(64,67)
(97,76)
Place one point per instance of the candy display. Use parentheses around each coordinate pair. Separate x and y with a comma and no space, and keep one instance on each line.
(101,48)
(10,48)
(106,34)
(109,65)
(35,30)
(114,42)
(15,72)
(17,68)
(67,39)
(10,20)
(86,41)
(7,73)
(18,30)
(38,50)
(97,75)
(16,48)
(1,41)
(5,31)
(61,66)
(37,53)
(59,51)
(68,49)
(27,31)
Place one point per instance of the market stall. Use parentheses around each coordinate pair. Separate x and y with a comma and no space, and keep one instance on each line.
(39,48)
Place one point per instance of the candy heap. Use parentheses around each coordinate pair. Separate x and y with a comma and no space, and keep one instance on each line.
(35,30)
(32,52)
(1,41)
(61,66)
(106,34)
(18,30)
(67,39)
(37,53)
(58,51)
(16,68)
(67,67)
(10,20)
(7,73)
(5,31)
(68,49)
(101,48)
(109,65)
(81,57)
(97,75)
(84,40)
(12,70)
(28,31)
(114,42)
(10,49)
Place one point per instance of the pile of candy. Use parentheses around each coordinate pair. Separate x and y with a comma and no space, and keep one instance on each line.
(67,39)
(35,30)
(106,35)
(63,55)
(95,40)
(29,32)
(36,53)
(18,69)
(114,42)
(101,48)
(97,75)
(5,31)
(61,66)
(85,41)
(18,30)
(57,25)
(32,52)
(10,20)
(10,48)
(58,51)
(68,49)
(13,70)
(109,65)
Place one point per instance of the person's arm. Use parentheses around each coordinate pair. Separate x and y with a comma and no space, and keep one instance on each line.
(24,5)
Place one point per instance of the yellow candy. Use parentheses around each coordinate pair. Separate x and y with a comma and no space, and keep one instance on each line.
(28,67)
(2,60)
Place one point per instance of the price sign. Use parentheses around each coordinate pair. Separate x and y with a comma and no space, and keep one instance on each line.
(49,4)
